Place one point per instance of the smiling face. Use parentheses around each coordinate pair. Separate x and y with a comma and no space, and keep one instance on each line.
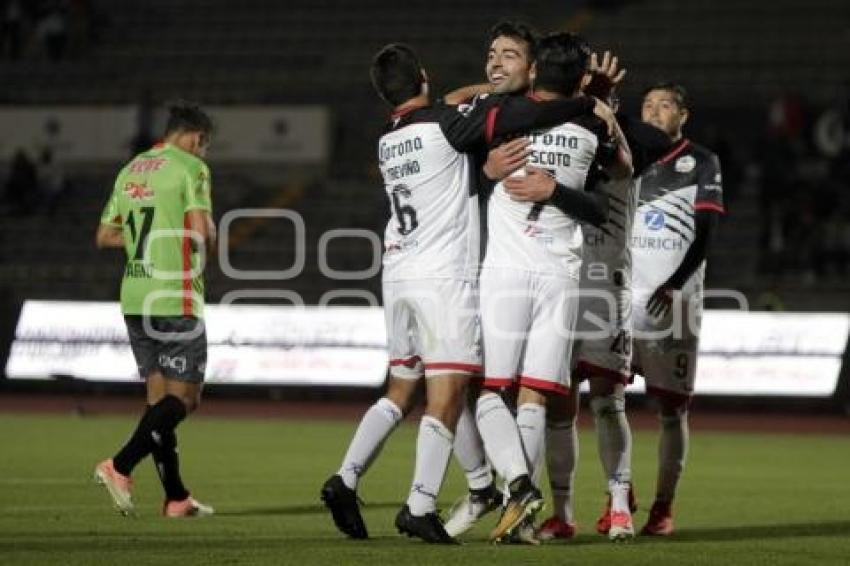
(662,109)
(508,64)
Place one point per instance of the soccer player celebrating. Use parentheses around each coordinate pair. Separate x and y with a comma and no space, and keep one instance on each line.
(602,352)
(430,273)
(530,275)
(681,200)
(160,213)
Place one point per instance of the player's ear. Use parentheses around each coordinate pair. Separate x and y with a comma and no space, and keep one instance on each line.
(532,73)
(683,112)
(424,87)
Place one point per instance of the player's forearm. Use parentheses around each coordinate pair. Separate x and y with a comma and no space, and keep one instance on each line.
(621,166)
(705,223)
(648,144)
(464,93)
(518,114)
(108,237)
(586,206)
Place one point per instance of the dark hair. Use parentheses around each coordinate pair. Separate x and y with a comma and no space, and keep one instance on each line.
(188,117)
(562,60)
(678,91)
(396,73)
(517,30)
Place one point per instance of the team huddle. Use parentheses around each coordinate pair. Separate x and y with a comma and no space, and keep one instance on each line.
(538,238)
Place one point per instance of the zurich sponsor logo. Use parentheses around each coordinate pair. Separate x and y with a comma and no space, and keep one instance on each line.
(654,219)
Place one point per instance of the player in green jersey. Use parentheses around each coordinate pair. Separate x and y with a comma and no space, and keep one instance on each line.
(160,213)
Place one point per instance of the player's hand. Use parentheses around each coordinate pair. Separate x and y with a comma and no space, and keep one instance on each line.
(507,158)
(604,112)
(660,302)
(606,75)
(537,185)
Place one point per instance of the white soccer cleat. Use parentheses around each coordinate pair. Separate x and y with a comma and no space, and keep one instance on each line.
(467,510)
(118,486)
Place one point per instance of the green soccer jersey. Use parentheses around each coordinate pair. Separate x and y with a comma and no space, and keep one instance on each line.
(152,194)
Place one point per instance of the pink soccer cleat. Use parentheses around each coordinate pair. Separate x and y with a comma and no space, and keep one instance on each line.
(118,486)
(189,507)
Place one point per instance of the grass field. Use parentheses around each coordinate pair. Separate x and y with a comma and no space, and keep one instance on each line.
(745,499)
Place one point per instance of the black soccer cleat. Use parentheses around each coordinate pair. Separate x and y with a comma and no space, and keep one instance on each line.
(345,508)
(429,527)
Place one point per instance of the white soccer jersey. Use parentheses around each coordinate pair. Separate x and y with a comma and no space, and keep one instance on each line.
(536,237)
(434,230)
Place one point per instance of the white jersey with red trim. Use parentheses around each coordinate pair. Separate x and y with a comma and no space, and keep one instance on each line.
(537,237)
(672,189)
(434,229)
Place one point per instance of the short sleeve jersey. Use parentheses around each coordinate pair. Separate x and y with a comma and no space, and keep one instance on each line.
(672,190)
(149,203)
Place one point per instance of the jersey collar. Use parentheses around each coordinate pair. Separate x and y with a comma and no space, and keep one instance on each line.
(677,149)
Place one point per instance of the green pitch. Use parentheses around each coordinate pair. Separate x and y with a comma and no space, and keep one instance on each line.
(745,499)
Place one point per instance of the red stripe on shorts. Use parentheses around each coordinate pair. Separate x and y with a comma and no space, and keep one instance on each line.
(543,385)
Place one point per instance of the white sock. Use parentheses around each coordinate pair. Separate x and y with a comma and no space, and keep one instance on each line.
(469,451)
(433,451)
(561,458)
(672,451)
(499,432)
(531,422)
(375,426)
(613,436)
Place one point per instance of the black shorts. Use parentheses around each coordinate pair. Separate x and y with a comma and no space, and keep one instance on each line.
(174,345)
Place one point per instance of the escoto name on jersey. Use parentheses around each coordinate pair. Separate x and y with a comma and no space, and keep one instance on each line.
(685,164)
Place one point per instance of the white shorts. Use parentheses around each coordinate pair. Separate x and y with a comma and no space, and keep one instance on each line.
(527,324)
(665,350)
(603,345)
(432,327)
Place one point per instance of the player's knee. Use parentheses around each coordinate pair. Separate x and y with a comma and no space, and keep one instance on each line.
(608,406)
(560,409)
(402,394)
(674,408)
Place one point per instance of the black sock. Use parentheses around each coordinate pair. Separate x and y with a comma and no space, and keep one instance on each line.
(164,416)
(167,462)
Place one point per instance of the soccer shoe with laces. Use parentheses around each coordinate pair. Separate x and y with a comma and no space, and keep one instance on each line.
(344,507)
(554,527)
(118,486)
(429,527)
(525,501)
(470,508)
(660,522)
(622,528)
(188,507)
(523,533)
(603,524)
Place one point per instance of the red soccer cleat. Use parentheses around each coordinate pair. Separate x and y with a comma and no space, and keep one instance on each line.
(554,527)
(603,523)
(660,522)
